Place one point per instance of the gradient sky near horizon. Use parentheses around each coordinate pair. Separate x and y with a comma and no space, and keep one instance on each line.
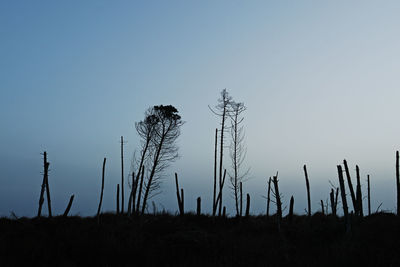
(320,80)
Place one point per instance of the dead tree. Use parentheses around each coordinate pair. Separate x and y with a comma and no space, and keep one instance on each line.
(359,194)
(224,212)
(166,125)
(222,111)
(333,204)
(69,206)
(308,190)
(102,187)
(237,150)
(140,190)
(43,188)
(353,197)
(221,186)
(247,205)
(277,201)
(369,196)
(398,183)
(117,198)
(179,196)
(291,209)
(198,211)
(131,195)
(241,199)
(322,207)
(215,174)
(268,195)
(122,175)
(344,201)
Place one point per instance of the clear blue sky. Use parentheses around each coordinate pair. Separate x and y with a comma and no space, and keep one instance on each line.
(320,80)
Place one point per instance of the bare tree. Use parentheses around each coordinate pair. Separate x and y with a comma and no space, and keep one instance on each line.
(221,110)
(164,126)
(237,150)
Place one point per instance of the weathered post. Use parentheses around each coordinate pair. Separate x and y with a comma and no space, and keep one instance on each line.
(247,205)
(122,175)
(215,174)
(241,198)
(69,206)
(278,202)
(291,209)
(268,195)
(332,197)
(369,196)
(308,190)
(117,199)
(179,196)
(353,197)
(344,201)
(359,194)
(322,207)
(102,187)
(41,198)
(198,206)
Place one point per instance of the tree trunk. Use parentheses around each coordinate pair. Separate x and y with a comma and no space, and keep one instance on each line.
(369,196)
(344,201)
(268,195)
(353,197)
(215,174)
(122,175)
(308,190)
(69,206)
(291,209)
(102,187)
(198,206)
(359,194)
(117,199)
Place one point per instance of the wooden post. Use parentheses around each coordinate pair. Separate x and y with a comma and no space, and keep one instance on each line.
(268,195)
(336,199)
(241,199)
(102,187)
(122,175)
(48,189)
(117,199)
(247,205)
(353,197)
(215,174)
(369,196)
(359,194)
(332,198)
(322,207)
(291,209)
(179,196)
(344,201)
(198,206)
(278,202)
(41,198)
(398,183)
(69,206)
(308,190)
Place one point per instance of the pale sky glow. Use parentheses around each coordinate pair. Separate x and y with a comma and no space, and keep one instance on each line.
(320,81)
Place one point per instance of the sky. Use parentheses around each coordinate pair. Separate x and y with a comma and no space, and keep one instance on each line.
(319,79)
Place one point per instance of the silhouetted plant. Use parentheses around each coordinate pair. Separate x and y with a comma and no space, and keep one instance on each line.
(268,195)
(291,209)
(277,201)
(322,207)
(222,110)
(43,188)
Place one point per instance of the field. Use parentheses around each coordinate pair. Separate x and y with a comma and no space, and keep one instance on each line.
(191,240)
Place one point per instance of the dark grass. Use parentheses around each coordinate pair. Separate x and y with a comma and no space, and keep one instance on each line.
(190,240)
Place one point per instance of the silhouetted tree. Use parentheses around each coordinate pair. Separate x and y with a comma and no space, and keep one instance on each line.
(237,150)
(159,131)
(222,110)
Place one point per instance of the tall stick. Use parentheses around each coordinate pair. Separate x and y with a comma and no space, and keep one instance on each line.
(291,209)
(117,198)
(131,194)
(322,207)
(69,206)
(308,190)
(278,202)
(398,183)
(48,189)
(268,195)
(332,198)
(247,205)
(344,201)
(369,196)
(359,193)
(102,187)
(353,197)
(198,206)
(215,173)
(41,198)
(241,199)
(122,175)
